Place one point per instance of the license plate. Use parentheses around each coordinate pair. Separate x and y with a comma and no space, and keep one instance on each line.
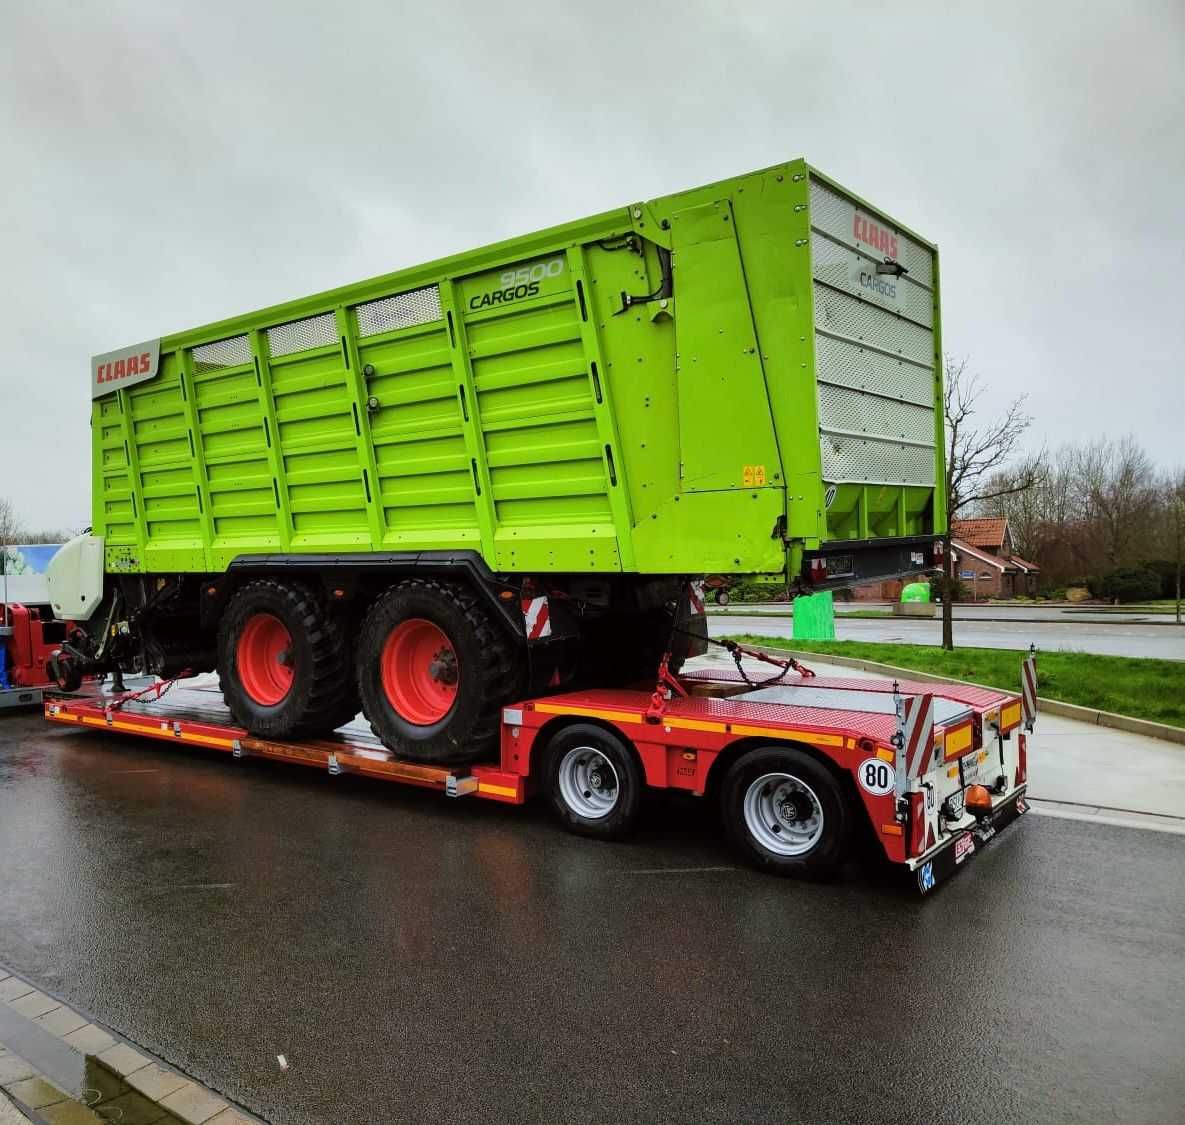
(979,769)
(964,846)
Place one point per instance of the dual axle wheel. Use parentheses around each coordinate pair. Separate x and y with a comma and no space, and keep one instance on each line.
(783,810)
(428,668)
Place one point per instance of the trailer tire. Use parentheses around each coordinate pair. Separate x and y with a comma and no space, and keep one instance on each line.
(593,781)
(434,670)
(283,662)
(786,813)
(64,672)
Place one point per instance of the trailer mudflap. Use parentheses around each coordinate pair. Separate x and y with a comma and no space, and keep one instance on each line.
(943,861)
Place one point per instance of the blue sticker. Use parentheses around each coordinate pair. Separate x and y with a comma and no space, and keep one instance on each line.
(926,877)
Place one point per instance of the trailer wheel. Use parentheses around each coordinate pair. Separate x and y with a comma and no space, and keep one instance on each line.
(64,672)
(434,671)
(786,813)
(593,781)
(283,662)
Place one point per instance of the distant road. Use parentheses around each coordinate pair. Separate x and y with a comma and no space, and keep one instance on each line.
(985,612)
(1111,639)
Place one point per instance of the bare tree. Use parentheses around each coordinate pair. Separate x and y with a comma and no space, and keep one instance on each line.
(9,531)
(975,455)
(1120,497)
(9,526)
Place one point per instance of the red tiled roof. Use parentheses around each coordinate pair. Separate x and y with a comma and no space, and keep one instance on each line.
(980,532)
(961,548)
(1023,563)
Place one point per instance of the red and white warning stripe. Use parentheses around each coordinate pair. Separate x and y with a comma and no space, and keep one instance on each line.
(695,597)
(1028,690)
(536,617)
(915,724)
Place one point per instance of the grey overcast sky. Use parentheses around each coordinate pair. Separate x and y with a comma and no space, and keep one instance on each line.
(170,164)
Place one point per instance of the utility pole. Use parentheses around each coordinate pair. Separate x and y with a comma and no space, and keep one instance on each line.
(1178,521)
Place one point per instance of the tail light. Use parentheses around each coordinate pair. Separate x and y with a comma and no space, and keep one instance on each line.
(817,571)
(1022,759)
(937,550)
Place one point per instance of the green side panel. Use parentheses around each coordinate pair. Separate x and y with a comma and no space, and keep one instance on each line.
(548,470)
(726,437)
(423,484)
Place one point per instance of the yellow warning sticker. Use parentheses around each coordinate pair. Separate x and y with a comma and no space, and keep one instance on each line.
(753,475)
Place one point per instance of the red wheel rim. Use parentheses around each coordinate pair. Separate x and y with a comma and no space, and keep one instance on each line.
(420,671)
(263,657)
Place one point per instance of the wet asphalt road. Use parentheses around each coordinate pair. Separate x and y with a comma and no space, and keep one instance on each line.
(422,960)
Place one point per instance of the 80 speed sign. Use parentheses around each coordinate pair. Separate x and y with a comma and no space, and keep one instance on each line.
(875,777)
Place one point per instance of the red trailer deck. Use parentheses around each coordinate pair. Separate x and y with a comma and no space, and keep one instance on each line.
(799,765)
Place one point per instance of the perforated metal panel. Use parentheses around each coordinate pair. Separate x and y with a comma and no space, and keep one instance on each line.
(222,353)
(858,320)
(850,365)
(869,461)
(874,346)
(841,267)
(300,335)
(841,408)
(834,215)
(405,310)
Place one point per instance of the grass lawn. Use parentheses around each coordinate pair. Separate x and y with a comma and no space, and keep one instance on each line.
(1143,688)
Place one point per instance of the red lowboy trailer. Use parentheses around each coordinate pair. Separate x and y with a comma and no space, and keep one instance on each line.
(801,764)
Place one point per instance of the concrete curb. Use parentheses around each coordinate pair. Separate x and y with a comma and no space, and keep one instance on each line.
(58,1066)
(1146,727)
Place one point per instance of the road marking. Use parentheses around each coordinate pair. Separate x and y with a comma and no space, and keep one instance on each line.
(1118,818)
(674,870)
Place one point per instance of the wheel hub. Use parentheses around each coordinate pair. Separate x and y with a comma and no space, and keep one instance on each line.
(783,814)
(793,808)
(443,668)
(264,659)
(419,671)
(588,783)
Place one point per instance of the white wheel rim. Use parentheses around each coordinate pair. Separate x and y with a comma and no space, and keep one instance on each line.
(783,814)
(588,783)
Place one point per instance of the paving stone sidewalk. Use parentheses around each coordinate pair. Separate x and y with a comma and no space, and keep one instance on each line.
(57,1067)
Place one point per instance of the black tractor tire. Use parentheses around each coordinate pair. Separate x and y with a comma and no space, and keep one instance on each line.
(606,807)
(488,667)
(813,789)
(321,687)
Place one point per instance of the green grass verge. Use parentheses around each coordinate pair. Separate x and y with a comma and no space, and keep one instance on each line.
(1136,686)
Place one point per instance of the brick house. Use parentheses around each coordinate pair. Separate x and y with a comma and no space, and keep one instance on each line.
(984,561)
